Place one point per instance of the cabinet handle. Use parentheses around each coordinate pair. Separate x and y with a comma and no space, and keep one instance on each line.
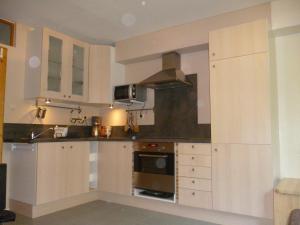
(193,169)
(213,54)
(65,96)
(214,66)
(193,181)
(193,157)
(216,150)
(71,146)
(69,96)
(193,146)
(124,146)
(62,147)
(193,193)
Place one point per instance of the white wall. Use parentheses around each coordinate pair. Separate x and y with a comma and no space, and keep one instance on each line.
(17,109)
(193,62)
(286,14)
(288,88)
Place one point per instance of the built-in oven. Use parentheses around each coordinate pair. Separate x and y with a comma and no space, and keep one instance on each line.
(154,169)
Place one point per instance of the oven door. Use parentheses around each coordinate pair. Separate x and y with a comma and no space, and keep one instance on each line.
(154,163)
(154,171)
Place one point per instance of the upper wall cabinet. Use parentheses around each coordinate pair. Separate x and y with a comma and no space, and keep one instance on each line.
(57,66)
(104,74)
(239,40)
(240,101)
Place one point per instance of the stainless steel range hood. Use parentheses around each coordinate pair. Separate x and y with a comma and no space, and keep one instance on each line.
(171,75)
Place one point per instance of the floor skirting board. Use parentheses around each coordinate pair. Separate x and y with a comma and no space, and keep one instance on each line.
(212,216)
(189,212)
(35,211)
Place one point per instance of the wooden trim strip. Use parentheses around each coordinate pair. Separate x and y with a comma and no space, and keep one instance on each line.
(3,60)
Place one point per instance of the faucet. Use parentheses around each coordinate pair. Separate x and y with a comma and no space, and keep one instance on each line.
(34,136)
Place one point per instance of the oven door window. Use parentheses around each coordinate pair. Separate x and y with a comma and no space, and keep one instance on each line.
(156,163)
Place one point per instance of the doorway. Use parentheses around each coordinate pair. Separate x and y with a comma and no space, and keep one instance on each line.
(3,60)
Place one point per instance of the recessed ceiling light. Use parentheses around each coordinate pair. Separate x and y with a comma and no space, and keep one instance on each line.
(128,19)
(143,3)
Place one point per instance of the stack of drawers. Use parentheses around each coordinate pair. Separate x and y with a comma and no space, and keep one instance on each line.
(194,175)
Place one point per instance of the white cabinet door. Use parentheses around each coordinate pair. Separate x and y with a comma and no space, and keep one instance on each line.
(77,89)
(115,167)
(62,170)
(51,172)
(239,40)
(240,100)
(77,164)
(243,179)
(104,74)
(55,62)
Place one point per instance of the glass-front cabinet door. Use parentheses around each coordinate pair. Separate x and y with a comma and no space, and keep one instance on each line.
(54,65)
(65,67)
(79,79)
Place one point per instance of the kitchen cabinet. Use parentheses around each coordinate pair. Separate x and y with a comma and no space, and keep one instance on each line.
(56,66)
(62,170)
(240,100)
(243,179)
(104,74)
(194,175)
(45,172)
(115,167)
(239,40)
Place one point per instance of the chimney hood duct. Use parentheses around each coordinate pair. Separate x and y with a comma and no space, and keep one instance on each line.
(171,75)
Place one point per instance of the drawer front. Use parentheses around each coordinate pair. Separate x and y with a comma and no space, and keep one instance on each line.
(195,149)
(194,171)
(194,160)
(194,183)
(200,199)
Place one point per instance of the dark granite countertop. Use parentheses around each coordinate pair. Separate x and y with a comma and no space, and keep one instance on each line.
(71,139)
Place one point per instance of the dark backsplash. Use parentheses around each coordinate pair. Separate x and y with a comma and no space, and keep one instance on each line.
(175,117)
(176,113)
(17,130)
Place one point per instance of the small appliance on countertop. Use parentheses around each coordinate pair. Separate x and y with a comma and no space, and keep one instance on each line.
(96,126)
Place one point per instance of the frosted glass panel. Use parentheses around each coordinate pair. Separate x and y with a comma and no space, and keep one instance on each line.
(54,64)
(78,70)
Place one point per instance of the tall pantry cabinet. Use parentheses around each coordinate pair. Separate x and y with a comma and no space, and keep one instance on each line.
(242,174)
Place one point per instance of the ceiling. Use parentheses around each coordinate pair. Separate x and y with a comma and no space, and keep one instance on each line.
(107,21)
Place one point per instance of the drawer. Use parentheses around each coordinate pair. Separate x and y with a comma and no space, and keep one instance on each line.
(195,149)
(194,171)
(200,199)
(194,160)
(194,183)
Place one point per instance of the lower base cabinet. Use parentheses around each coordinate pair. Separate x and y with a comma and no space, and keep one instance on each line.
(242,178)
(194,175)
(46,172)
(62,170)
(115,167)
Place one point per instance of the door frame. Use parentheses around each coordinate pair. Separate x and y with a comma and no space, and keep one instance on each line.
(3,61)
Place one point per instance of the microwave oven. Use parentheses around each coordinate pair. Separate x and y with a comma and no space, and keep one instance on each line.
(130,93)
